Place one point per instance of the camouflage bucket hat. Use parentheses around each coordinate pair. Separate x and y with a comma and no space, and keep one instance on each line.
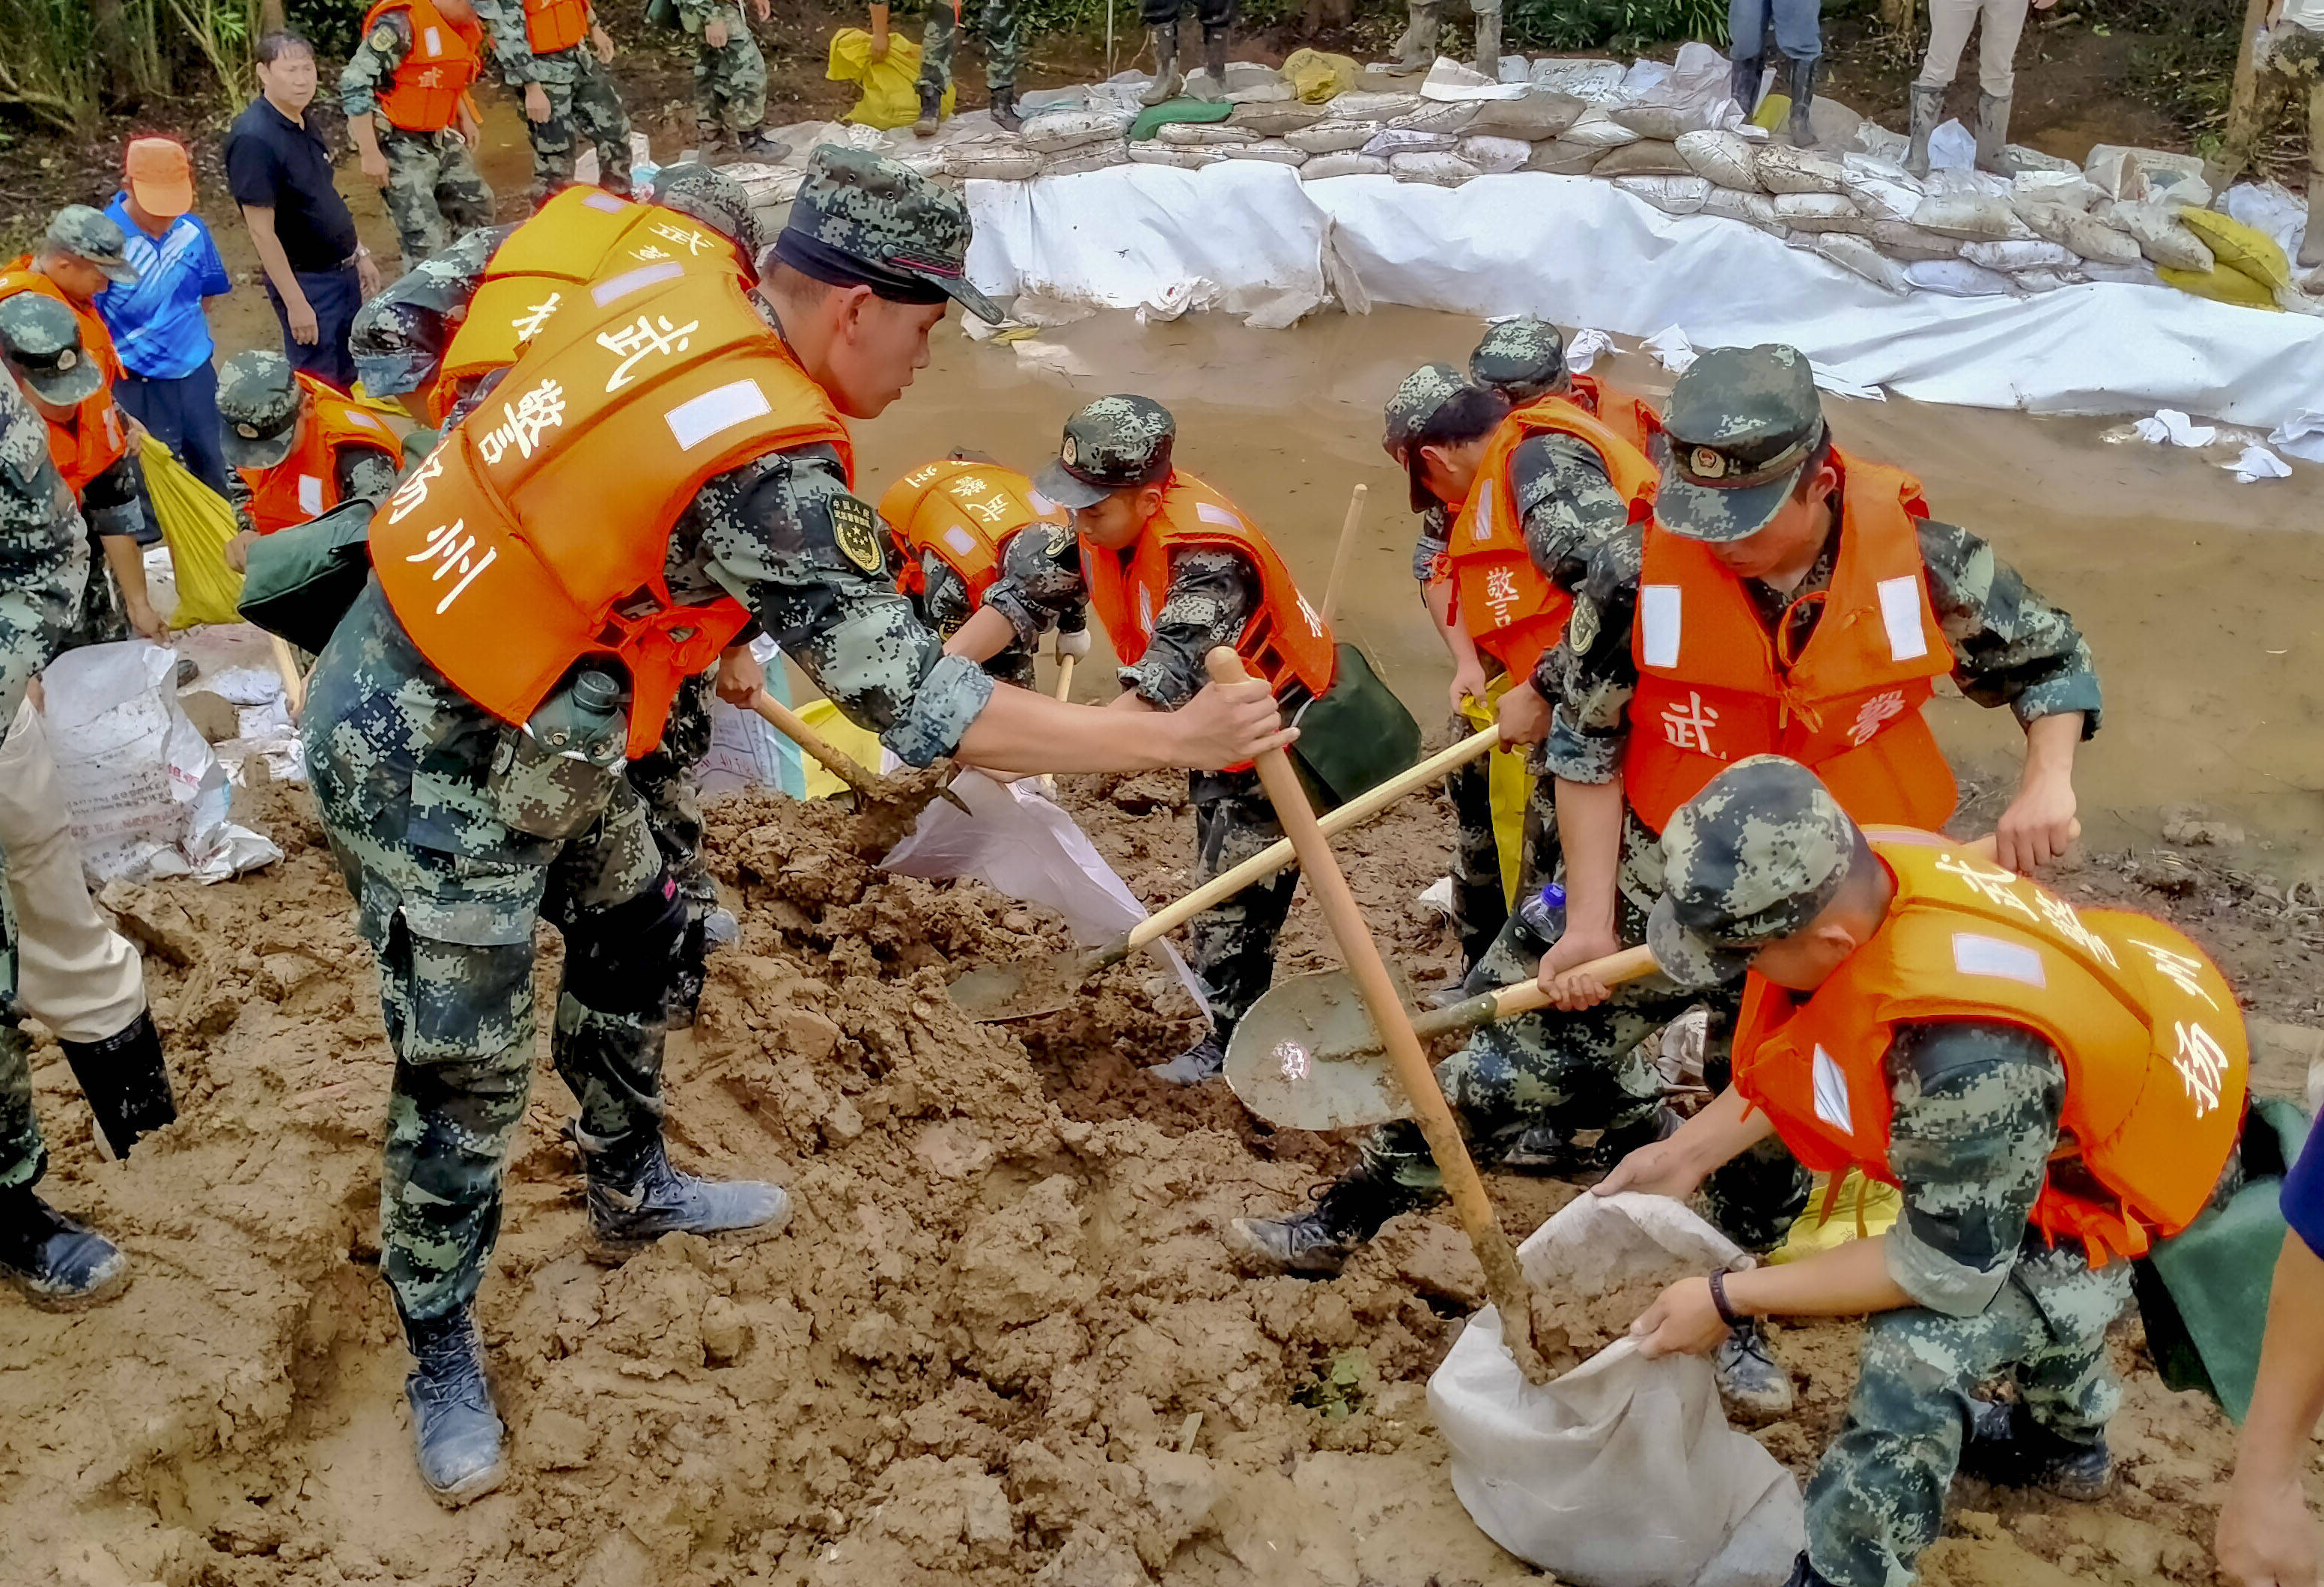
(91,235)
(1742,422)
(860,219)
(1417,401)
(716,200)
(258,407)
(1114,444)
(1755,856)
(1523,359)
(40,339)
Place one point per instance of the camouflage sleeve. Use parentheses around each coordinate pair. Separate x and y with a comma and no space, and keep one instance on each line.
(1976,1118)
(1566,503)
(1590,676)
(946,603)
(398,338)
(363,472)
(1040,584)
(2010,646)
(111,503)
(503,20)
(237,496)
(784,536)
(43,551)
(1429,547)
(1212,595)
(373,63)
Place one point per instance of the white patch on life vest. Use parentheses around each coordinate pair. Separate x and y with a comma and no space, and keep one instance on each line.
(615,288)
(1658,622)
(1975,954)
(435,42)
(602,199)
(1145,610)
(1484,527)
(1211,512)
(357,416)
(311,494)
(959,539)
(1831,1093)
(1900,610)
(697,419)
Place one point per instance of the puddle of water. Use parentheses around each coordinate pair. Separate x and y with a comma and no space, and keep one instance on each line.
(2202,599)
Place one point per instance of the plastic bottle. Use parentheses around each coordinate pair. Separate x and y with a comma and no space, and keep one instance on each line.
(1543,916)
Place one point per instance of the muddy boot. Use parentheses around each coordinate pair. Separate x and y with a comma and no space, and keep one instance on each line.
(1004,111)
(1928,107)
(1214,68)
(1205,1060)
(61,1265)
(756,145)
(1752,1382)
(455,1433)
(1415,50)
(1347,1213)
(1489,40)
(1168,80)
(1745,73)
(1801,88)
(126,1081)
(2008,1447)
(931,111)
(635,1197)
(1993,135)
(708,138)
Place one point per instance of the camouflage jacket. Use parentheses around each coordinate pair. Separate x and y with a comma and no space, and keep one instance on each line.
(44,550)
(371,66)
(694,15)
(398,338)
(503,23)
(1429,545)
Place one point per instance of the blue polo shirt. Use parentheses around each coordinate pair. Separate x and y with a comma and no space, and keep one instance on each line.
(2303,1193)
(157,323)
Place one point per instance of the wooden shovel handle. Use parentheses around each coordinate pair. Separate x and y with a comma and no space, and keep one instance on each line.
(1341,556)
(1505,1281)
(1064,676)
(786,721)
(294,686)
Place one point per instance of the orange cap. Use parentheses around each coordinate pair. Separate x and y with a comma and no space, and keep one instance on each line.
(160,176)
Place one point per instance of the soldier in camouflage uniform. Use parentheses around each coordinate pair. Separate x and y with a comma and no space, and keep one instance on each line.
(448,893)
(434,191)
(1763,870)
(1004,52)
(568,95)
(261,408)
(730,78)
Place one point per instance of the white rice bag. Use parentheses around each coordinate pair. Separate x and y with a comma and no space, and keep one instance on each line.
(1184,158)
(2015,256)
(1184,134)
(2043,280)
(1452,117)
(1901,239)
(1070,129)
(2140,273)
(1334,137)
(2068,187)
(1673,195)
(1972,219)
(1751,208)
(1275,150)
(2085,235)
(1598,130)
(1782,168)
(1390,141)
(1344,163)
(2162,237)
(1818,212)
(1373,107)
(1600,82)
(1854,254)
(1493,155)
(1560,157)
(1724,158)
(1957,278)
(1444,170)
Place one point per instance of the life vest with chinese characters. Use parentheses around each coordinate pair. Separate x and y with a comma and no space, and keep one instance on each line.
(306,484)
(95,437)
(1712,688)
(1626,416)
(537,531)
(1507,605)
(2153,1043)
(550,26)
(1284,639)
(444,56)
(964,514)
(585,243)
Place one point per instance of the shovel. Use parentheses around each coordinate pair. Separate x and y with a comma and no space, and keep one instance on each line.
(989,992)
(863,782)
(1505,1281)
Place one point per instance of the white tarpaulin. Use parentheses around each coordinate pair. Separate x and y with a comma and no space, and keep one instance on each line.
(1256,241)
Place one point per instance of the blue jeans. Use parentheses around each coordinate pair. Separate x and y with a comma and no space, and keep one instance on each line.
(334,295)
(1796,29)
(182,414)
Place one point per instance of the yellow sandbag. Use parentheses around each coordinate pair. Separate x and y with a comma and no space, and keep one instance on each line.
(1773,112)
(890,87)
(197,523)
(1317,77)
(2222,285)
(1863,1208)
(1510,783)
(844,736)
(2237,246)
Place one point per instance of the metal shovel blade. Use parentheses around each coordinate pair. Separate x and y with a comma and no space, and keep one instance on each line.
(1307,1057)
(988,994)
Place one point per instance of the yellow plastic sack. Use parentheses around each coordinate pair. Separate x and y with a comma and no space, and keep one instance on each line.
(844,736)
(1863,1208)
(1774,111)
(1510,783)
(2240,247)
(1317,77)
(197,524)
(890,87)
(2222,285)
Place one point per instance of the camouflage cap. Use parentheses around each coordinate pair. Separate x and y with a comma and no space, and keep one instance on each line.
(1114,444)
(91,235)
(1414,402)
(1742,422)
(716,200)
(258,402)
(861,220)
(1755,856)
(1523,359)
(40,337)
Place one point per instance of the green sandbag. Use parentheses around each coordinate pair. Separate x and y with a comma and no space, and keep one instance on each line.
(303,579)
(1153,120)
(1358,735)
(2203,1295)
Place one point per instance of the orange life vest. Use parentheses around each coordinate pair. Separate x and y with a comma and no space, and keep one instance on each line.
(964,513)
(1509,606)
(1712,688)
(583,237)
(1284,639)
(306,484)
(550,26)
(1626,416)
(2153,1043)
(444,58)
(537,531)
(95,437)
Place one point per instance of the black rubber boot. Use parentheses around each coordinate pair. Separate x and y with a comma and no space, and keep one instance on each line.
(1751,1380)
(931,111)
(1801,88)
(756,145)
(1745,73)
(1215,64)
(61,1265)
(2008,1447)
(455,1433)
(635,1196)
(1167,79)
(1206,1060)
(1004,111)
(1804,1574)
(1319,1242)
(126,1081)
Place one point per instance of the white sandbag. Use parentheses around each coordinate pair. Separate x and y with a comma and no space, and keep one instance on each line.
(2012,258)
(1560,157)
(1623,1473)
(1190,133)
(1389,142)
(1184,158)
(1334,137)
(1646,157)
(2113,171)
(2139,273)
(2162,237)
(1539,115)
(1751,208)
(1596,82)
(1451,83)
(2085,235)
(2020,158)
(2192,191)
(1957,278)
(1445,170)
(2031,281)
(1854,254)
(1901,239)
(1347,162)
(1493,155)
(1782,168)
(991,163)
(1972,219)
(2068,188)
(1274,149)
(1088,157)
(1673,195)
(1272,120)
(1877,141)
(1597,129)
(1880,198)
(1818,212)
(1722,158)
(1665,122)
(1070,129)
(1373,107)
(1436,118)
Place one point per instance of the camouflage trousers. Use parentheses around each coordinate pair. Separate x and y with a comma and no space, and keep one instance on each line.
(587,106)
(103,618)
(730,81)
(434,190)
(666,781)
(1231,946)
(1004,42)
(448,897)
(1878,1498)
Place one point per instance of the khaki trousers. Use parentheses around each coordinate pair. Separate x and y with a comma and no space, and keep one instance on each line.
(1948,26)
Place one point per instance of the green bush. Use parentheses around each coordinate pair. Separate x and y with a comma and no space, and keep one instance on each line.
(1626,25)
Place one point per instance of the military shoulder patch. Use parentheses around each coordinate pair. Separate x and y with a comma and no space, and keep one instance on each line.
(855,526)
(382,37)
(1581,626)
